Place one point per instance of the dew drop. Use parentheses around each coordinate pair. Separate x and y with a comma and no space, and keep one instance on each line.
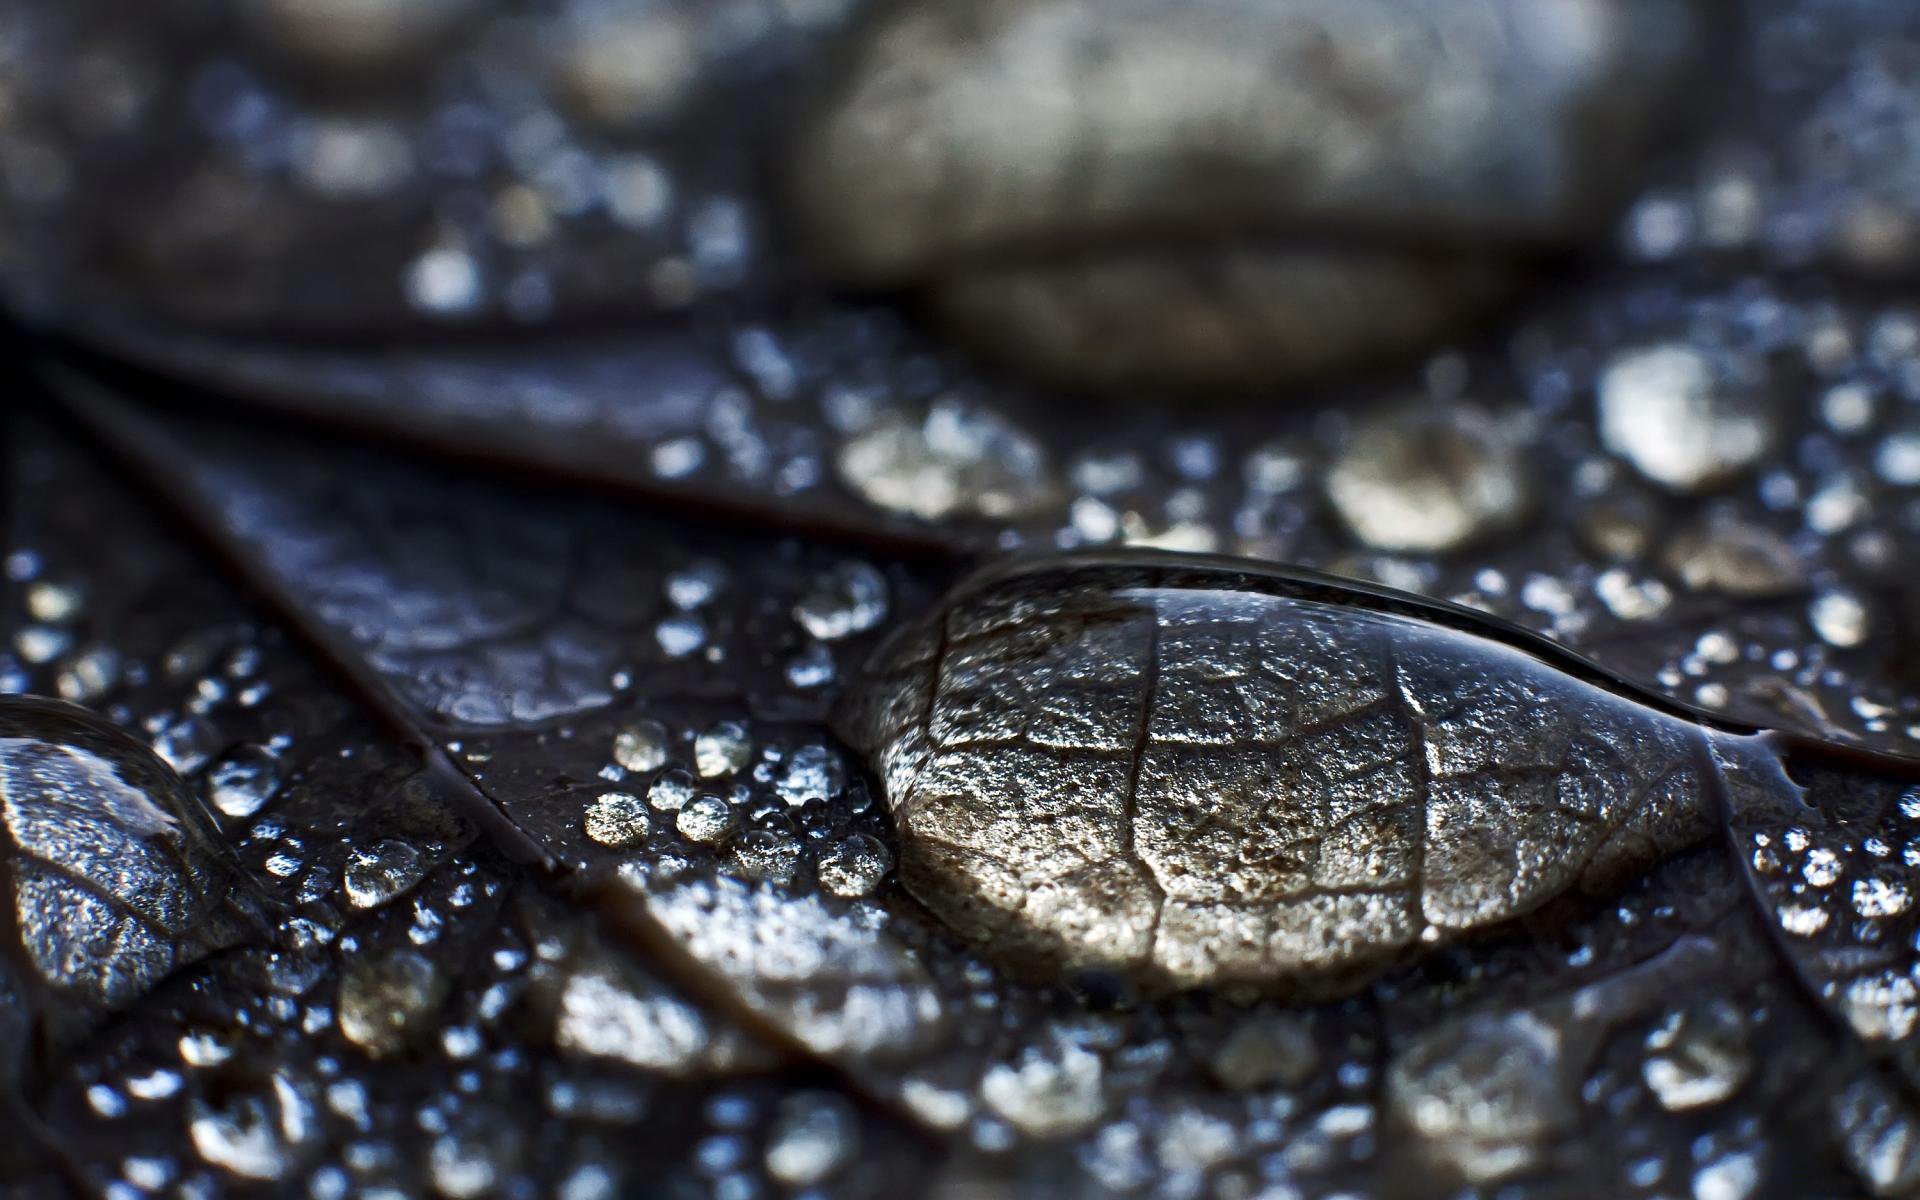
(54,603)
(810,773)
(671,791)
(241,781)
(1880,1135)
(461,1168)
(1412,482)
(241,1136)
(849,599)
(386,999)
(706,818)
(1730,1177)
(695,585)
(1877,898)
(1263,1051)
(854,866)
(680,635)
(1698,1057)
(618,819)
(812,667)
(642,746)
(766,854)
(1840,618)
(814,1134)
(1046,1093)
(961,461)
(382,872)
(1667,410)
(721,750)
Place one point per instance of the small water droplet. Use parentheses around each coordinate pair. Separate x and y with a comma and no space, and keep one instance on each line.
(1046,1094)
(851,598)
(386,999)
(1417,482)
(766,854)
(1697,1057)
(54,603)
(642,746)
(242,780)
(696,584)
(680,635)
(814,1134)
(854,866)
(618,820)
(706,818)
(810,773)
(381,872)
(1840,618)
(671,791)
(721,750)
(1668,410)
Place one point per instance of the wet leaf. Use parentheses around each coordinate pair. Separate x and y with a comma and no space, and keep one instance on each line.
(883,989)
(342,1023)
(633,700)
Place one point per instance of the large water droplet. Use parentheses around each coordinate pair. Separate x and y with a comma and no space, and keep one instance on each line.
(117,874)
(1193,772)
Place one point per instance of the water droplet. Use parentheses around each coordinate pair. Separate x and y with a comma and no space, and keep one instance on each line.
(1189,775)
(854,866)
(117,874)
(680,635)
(444,282)
(1486,1094)
(386,999)
(1667,410)
(1265,1050)
(962,461)
(849,599)
(54,603)
(1730,1177)
(1880,1136)
(1840,618)
(241,781)
(696,584)
(242,1136)
(381,872)
(721,750)
(671,791)
(257,1135)
(1876,898)
(1046,1093)
(642,746)
(461,1168)
(844,988)
(814,1134)
(706,818)
(764,854)
(1420,482)
(618,819)
(810,773)
(1697,1057)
